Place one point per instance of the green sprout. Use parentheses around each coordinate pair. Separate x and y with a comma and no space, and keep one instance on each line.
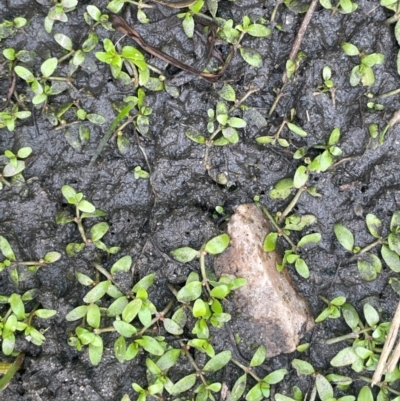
(188,21)
(83,210)
(363,72)
(8,28)
(115,60)
(332,311)
(367,337)
(18,319)
(369,265)
(342,6)
(10,261)
(139,173)
(58,13)
(328,85)
(13,166)
(9,117)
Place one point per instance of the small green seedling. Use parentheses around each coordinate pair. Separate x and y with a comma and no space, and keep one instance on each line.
(332,311)
(292,256)
(342,6)
(10,261)
(227,125)
(9,117)
(139,173)
(295,129)
(363,72)
(41,90)
(325,390)
(293,66)
(187,17)
(94,14)
(83,210)
(115,6)
(8,28)
(369,265)
(328,84)
(13,166)
(17,319)
(367,338)
(58,13)
(115,60)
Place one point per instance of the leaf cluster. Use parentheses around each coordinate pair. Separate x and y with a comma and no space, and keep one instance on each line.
(58,13)
(363,72)
(17,319)
(13,166)
(369,264)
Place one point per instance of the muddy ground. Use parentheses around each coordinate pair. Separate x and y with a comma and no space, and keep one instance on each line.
(176,207)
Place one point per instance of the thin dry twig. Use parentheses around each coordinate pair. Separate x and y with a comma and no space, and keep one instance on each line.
(383,365)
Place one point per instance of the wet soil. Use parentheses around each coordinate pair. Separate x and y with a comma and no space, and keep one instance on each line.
(176,206)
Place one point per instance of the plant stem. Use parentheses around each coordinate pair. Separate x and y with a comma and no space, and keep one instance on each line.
(380,385)
(104,330)
(387,94)
(159,316)
(203,268)
(245,369)
(292,203)
(11,371)
(276,101)
(78,221)
(4,181)
(61,59)
(193,362)
(103,271)
(246,95)
(62,126)
(379,241)
(345,337)
(30,263)
(277,228)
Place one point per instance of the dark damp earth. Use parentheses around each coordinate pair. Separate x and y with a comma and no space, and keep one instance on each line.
(175,207)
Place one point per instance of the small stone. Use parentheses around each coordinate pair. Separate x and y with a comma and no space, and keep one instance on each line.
(267,310)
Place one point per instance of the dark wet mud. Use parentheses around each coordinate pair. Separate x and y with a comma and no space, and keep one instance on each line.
(175,207)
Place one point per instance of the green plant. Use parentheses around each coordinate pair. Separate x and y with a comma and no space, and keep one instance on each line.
(188,21)
(115,60)
(39,87)
(295,129)
(366,339)
(332,311)
(8,28)
(328,84)
(13,166)
(342,6)
(9,117)
(139,173)
(83,210)
(16,319)
(10,261)
(369,265)
(115,6)
(363,72)
(58,13)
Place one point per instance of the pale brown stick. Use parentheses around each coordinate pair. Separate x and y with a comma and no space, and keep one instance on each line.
(389,343)
(300,34)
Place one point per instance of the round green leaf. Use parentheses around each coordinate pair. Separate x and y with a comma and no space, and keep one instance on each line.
(120,349)
(185,254)
(259,356)
(183,385)
(199,308)
(371,315)
(23,153)
(52,257)
(17,306)
(302,367)
(374,225)
(344,357)
(98,230)
(217,244)
(64,41)
(227,93)
(251,56)
(365,394)
(238,388)
(124,329)
(302,268)
(258,30)
(344,236)
(324,388)
(24,73)
(275,377)
(45,313)
(300,177)
(151,345)
(350,50)
(236,122)
(77,313)
(85,206)
(309,239)
(369,266)
(296,130)
(391,258)
(93,316)
(97,292)
(6,249)
(96,351)
(131,310)
(122,265)
(172,327)
(49,66)
(218,361)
